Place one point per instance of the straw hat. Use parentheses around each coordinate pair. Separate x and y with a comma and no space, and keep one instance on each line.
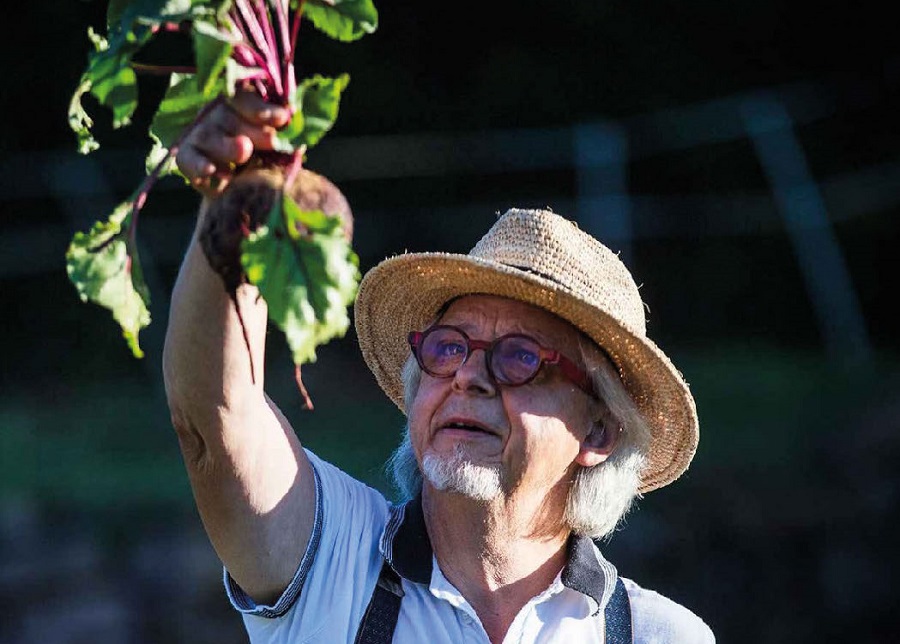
(537,257)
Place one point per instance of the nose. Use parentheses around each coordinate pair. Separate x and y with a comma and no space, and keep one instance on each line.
(472,376)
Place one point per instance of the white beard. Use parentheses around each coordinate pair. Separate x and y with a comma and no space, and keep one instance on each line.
(458,473)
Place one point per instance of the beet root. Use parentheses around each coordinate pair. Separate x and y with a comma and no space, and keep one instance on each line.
(243,207)
(246,203)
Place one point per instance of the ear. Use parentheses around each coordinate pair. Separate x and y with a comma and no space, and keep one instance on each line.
(597,445)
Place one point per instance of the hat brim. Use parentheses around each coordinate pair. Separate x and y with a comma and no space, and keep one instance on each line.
(405,293)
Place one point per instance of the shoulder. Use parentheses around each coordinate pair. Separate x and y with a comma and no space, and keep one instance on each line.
(658,619)
(332,586)
(337,490)
(351,512)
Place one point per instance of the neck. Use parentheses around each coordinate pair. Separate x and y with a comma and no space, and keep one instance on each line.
(498,554)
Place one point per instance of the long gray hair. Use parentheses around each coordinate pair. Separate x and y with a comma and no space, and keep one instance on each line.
(600,496)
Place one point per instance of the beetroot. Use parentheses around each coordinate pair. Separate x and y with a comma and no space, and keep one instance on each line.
(246,203)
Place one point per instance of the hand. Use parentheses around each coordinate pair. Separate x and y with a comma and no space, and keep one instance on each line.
(226,138)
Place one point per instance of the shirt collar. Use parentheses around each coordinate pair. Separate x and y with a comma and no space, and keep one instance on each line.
(406,547)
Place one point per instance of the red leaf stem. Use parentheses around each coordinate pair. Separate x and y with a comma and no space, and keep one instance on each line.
(162,70)
(295,28)
(307,401)
(265,21)
(284,27)
(237,28)
(247,15)
(244,53)
(287,53)
(237,308)
(170,26)
(141,197)
(261,89)
(294,168)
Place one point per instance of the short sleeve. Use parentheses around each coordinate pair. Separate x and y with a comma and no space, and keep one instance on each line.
(337,573)
(656,619)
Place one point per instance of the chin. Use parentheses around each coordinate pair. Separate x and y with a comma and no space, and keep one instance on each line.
(459,473)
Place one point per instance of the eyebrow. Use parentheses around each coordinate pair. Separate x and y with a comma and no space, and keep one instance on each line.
(539,337)
(542,339)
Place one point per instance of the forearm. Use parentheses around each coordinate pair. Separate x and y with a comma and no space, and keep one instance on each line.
(251,480)
(213,363)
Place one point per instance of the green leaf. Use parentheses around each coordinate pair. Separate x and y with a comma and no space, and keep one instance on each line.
(80,121)
(105,270)
(234,73)
(114,12)
(345,20)
(179,107)
(159,153)
(125,13)
(212,50)
(109,77)
(308,276)
(316,104)
(118,91)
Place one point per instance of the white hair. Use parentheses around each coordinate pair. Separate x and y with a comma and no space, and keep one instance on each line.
(600,496)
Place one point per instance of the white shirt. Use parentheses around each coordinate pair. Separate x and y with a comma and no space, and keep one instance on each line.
(356,529)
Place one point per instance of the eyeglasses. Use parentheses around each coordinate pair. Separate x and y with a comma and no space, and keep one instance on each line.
(512,360)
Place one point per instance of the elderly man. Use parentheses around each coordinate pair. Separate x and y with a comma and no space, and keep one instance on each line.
(537,411)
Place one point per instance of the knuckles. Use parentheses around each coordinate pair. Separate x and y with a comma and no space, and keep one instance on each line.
(225,138)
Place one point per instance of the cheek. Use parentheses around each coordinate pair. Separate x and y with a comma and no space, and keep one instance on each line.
(421,411)
(546,434)
(557,411)
(551,433)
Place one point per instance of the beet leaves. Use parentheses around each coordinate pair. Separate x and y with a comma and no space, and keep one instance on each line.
(300,260)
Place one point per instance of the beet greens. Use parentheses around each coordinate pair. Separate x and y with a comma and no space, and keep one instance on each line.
(300,260)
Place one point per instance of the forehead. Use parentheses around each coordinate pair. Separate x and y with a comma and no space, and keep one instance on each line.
(488,316)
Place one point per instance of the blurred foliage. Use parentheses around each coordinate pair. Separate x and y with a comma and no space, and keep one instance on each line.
(759,405)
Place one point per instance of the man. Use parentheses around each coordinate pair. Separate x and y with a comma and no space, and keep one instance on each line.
(537,411)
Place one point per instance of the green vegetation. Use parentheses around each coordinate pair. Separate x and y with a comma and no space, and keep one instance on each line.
(237,45)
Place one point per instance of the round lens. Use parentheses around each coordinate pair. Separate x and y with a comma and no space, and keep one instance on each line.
(515,360)
(443,350)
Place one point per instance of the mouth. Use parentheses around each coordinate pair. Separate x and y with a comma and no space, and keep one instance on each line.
(467,426)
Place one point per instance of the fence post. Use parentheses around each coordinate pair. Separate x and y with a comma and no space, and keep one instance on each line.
(800,203)
(602,203)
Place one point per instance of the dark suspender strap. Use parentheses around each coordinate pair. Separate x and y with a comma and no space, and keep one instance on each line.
(380,619)
(618,616)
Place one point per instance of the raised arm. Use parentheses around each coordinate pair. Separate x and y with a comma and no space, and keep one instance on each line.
(251,480)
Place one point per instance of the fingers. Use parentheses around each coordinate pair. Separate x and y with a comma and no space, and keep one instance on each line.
(253,109)
(226,138)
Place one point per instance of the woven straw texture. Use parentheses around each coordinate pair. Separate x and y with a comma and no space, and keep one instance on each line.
(537,257)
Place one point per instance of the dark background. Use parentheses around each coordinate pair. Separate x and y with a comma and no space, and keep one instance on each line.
(742,156)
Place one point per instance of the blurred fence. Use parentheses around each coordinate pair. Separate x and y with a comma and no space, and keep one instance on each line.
(600,157)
